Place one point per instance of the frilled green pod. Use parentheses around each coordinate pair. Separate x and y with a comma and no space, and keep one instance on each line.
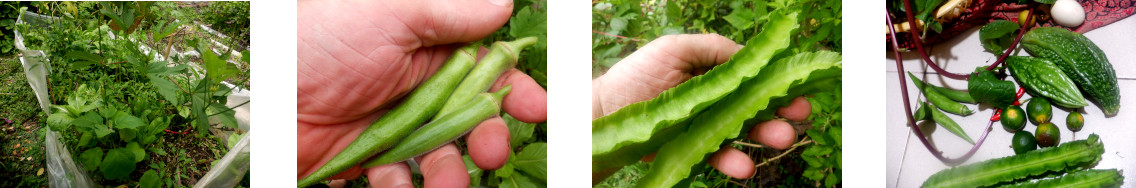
(1080,179)
(636,123)
(726,118)
(1071,156)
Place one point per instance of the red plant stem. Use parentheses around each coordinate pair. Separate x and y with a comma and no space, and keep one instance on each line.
(926,58)
(919,43)
(907,106)
(1021,32)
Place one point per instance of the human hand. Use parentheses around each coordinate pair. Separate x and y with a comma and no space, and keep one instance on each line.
(671,60)
(356,59)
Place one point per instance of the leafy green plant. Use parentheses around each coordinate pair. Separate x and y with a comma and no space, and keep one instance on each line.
(114,101)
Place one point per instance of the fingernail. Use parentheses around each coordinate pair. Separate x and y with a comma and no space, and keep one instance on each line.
(501,2)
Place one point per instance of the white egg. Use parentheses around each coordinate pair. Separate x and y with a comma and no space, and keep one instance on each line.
(1068,13)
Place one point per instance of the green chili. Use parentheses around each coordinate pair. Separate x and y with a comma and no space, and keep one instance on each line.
(726,118)
(939,99)
(501,57)
(443,129)
(418,107)
(635,123)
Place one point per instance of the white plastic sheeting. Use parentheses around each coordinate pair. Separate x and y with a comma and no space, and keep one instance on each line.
(63,171)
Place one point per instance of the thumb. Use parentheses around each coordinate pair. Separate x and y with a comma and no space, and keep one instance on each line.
(438,22)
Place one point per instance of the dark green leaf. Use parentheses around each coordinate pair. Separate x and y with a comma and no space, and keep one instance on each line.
(533,160)
(127,121)
(995,34)
(519,132)
(117,164)
(520,181)
(59,121)
(150,179)
(91,158)
(985,88)
(136,151)
(166,88)
(818,137)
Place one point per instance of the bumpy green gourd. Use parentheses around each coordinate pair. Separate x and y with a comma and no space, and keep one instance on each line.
(1070,156)
(727,117)
(1079,179)
(1042,77)
(636,123)
(418,107)
(1081,60)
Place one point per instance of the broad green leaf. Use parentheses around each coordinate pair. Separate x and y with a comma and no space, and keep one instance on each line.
(59,121)
(997,35)
(520,181)
(741,18)
(117,164)
(136,151)
(86,139)
(533,160)
(509,168)
(150,179)
(89,121)
(519,132)
(127,135)
(126,121)
(831,179)
(91,158)
(834,133)
(985,88)
(227,116)
(165,88)
(817,151)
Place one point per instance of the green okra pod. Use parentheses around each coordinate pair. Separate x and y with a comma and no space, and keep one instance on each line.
(418,107)
(940,100)
(443,129)
(941,118)
(501,57)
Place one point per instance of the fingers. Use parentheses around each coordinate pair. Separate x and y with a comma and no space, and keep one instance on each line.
(659,65)
(527,101)
(797,110)
(390,175)
(732,162)
(443,167)
(445,22)
(488,144)
(775,133)
(692,52)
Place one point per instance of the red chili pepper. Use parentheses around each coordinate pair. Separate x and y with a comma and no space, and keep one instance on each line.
(998,114)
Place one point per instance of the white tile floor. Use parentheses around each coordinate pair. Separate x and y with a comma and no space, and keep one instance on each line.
(909,163)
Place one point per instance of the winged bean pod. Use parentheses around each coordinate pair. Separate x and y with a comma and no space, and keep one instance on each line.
(726,118)
(1070,156)
(501,57)
(635,123)
(418,107)
(1079,179)
(443,129)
